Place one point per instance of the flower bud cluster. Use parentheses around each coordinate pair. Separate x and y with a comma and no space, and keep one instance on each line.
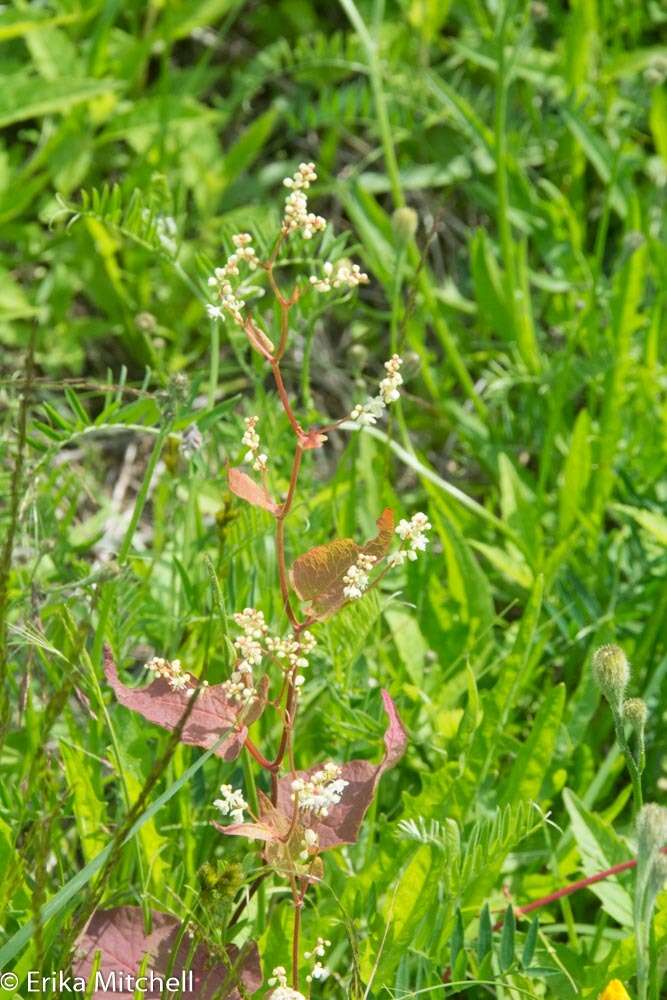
(296,216)
(231,803)
(319,793)
(367,414)
(282,990)
(413,534)
(219,280)
(170,670)
(251,440)
(356,579)
(319,971)
(340,275)
(310,845)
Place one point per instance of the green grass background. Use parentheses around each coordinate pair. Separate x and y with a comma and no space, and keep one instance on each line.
(531,141)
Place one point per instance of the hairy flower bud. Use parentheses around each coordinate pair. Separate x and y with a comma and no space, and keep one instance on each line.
(651,828)
(404,223)
(611,672)
(635,711)
(659,874)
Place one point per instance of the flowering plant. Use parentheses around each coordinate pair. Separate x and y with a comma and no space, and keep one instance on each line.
(303,813)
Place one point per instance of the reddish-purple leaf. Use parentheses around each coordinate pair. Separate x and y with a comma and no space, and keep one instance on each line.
(317,575)
(120,938)
(342,824)
(254,493)
(212,714)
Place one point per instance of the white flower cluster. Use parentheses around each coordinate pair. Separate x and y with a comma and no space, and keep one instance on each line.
(342,274)
(293,652)
(282,991)
(229,302)
(171,670)
(297,217)
(319,971)
(319,793)
(250,651)
(251,440)
(254,643)
(356,578)
(231,803)
(366,414)
(412,532)
(310,845)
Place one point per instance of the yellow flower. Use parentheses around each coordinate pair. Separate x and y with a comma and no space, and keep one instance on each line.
(615,990)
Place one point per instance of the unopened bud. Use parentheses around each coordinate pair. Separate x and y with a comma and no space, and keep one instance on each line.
(635,711)
(611,672)
(659,874)
(404,222)
(651,828)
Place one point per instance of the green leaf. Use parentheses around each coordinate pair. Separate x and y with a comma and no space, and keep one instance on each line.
(485,933)
(654,523)
(24,97)
(600,848)
(409,642)
(506,954)
(576,473)
(456,940)
(530,943)
(249,145)
(406,909)
(89,810)
(532,763)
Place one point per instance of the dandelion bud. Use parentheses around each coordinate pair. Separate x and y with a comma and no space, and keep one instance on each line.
(651,829)
(611,672)
(404,223)
(635,711)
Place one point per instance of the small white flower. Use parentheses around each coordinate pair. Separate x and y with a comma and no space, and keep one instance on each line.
(414,533)
(389,386)
(356,579)
(319,793)
(296,216)
(341,274)
(231,803)
(171,671)
(366,414)
(259,460)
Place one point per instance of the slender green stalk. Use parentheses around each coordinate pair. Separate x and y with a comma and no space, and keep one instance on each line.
(214,364)
(631,763)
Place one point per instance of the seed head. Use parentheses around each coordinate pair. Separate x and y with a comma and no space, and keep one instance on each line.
(611,672)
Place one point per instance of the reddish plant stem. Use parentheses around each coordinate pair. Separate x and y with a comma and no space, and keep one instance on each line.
(296,466)
(282,572)
(567,890)
(284,399)
(258,755)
